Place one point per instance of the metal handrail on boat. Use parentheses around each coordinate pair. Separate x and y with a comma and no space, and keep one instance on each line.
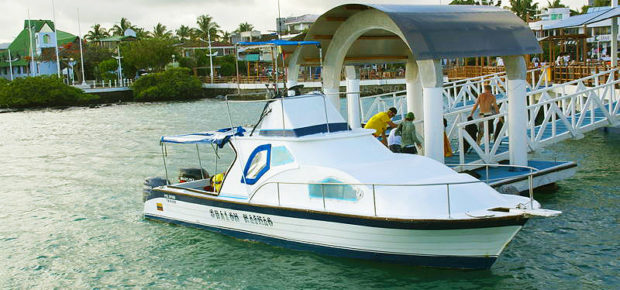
(374,185)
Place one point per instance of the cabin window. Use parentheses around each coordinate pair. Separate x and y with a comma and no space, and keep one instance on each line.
(333,191)
(46,39)
(257,165)
(281,156)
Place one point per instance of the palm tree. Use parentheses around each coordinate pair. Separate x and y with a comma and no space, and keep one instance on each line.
(141,33)
(245,27)
(183,33)
(555,4)
(161,31)
(206,26)
(599,3)
(226,36)
(97,33)
(119,29)
(523,8)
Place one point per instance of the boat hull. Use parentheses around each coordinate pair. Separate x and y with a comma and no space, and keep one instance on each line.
(472,244)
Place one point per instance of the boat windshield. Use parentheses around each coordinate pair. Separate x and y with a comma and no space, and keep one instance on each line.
(217,159)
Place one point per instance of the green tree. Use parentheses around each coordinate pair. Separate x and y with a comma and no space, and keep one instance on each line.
(41,91)
(245,27)
(194,34)
(96,33)
(107,70)
(523,8)
(141,33)
(183,33)
(555,4)
(161,31)
(151,54)
(601,3)
(172,84)
(227,65)
(226,36)
(119,29)
(207,26)
(93,55)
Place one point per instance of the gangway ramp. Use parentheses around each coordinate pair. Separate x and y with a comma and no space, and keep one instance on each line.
(555,113)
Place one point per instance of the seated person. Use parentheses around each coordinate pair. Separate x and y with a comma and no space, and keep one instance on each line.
(209,186)
(217,182)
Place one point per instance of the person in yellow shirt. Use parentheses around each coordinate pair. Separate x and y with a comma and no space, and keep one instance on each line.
(216,182)
(379,123)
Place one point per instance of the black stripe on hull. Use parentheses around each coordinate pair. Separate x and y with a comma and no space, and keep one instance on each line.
(392,223)
(460,262)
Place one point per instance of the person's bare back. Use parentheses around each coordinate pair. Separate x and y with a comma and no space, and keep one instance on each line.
(485,101)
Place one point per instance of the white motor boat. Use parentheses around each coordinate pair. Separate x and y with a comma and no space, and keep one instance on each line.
(302,179)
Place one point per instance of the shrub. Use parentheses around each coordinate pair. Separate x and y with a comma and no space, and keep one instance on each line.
(107,70)
(173,84)
(41,91)
(228,66)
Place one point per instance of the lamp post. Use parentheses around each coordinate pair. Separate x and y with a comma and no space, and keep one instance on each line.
(120,67)
(210,55)
(10,65)
(81,50)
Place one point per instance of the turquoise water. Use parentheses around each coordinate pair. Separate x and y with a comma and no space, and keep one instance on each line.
(71,214)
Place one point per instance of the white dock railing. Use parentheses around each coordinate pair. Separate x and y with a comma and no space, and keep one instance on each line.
(107,84)
(568,110)
(457,94)
(564,115)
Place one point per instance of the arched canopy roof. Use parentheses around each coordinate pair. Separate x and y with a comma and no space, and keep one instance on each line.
(430,32)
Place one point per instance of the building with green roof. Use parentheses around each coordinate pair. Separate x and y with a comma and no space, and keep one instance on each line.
(39,41)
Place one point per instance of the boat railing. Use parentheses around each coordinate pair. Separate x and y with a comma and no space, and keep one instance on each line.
(373,186)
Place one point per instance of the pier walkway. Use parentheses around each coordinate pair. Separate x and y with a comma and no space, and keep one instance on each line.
(555,113)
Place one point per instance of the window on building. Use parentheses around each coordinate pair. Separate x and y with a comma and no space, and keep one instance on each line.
(46,39)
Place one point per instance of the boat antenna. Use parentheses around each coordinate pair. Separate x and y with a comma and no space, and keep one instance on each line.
(263,114)
(237,69)
(279,24)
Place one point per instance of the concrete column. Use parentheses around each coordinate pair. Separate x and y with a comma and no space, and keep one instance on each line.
(413,85)
(293,68)
(517,109)
(343,38)
(431,74)
(353,96)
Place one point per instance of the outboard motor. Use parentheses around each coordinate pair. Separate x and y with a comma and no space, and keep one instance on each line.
(150,183)
(191,174)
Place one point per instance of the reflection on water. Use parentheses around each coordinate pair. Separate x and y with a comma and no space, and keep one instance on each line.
(71,213)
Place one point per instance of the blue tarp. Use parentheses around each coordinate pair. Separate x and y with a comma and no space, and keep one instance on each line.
(279,42)
(219,137)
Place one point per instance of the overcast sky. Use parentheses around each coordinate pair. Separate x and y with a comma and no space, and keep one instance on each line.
(174,13)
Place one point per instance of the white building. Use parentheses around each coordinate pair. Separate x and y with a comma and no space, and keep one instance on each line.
(596,23)
(295,24)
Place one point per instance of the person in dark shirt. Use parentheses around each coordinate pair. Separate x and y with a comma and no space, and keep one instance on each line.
(472,130)
(498,128)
